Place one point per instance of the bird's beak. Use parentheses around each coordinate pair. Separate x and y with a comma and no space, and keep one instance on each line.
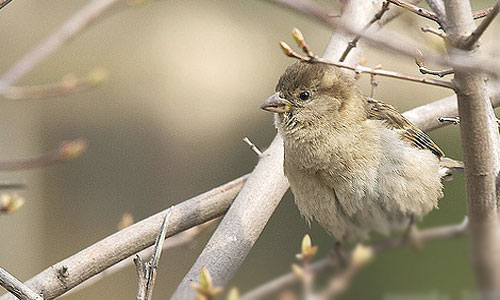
(276,104)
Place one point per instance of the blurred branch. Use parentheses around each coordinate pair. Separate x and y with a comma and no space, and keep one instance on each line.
(72,271)
(480,147)
(147,271)
(12,185)
(68,85)
(65,151)
(352,44)
(481,13)
(4,3)
(16,287)
(113,249)
(75,25)
(286,280)
(361,69)
(393,42)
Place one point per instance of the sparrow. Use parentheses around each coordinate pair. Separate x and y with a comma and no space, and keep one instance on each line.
(354,164)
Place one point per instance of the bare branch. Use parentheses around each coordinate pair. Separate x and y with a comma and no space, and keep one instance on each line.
(4,3)
(424,70)
(147,271)
(362,69)
(471,40)
(481,13)
(16,287)
(416,10)
(75,25)
(352,44)
(12,185)
(179,240)
(427,235)
(68,85)
(66,151)
(437,6)
(435,31)
(70,272)
(252,146)
(480,146)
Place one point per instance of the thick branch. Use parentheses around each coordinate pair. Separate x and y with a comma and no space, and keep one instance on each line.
(480,146)
(62,276)
(253,207)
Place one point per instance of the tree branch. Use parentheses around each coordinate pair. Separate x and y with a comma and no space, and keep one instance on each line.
(416,10)
(251,210)
(76,24)
(469,42)
(16,287)
(70,272)
(286,280)
(4,3)
(480,146)
(65,151)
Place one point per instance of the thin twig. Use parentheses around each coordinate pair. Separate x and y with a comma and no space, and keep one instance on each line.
(75,25)
(12,185)
(286,280)
(469,42)
(481,13)
(147,271)
(4,3)
(353,43)
(452,120)
(68,85)
(66,151)
(435,31)
(424,70)
(16,287)
(252,146)
(362,69)
(185,238)
(125,243)
(416,10)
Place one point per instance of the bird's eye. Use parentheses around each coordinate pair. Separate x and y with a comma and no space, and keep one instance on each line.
(304,95)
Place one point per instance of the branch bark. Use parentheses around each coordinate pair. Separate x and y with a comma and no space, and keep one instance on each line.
(16,287)
(62,276)
(480,146)
(251,210)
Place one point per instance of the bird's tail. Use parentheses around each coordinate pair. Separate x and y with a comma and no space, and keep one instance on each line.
(448,167)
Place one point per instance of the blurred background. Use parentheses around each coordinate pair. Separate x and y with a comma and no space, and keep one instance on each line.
(185,82)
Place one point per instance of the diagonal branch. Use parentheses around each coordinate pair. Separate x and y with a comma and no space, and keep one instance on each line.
(70,272)
(469,42)
(4,3)
(287,280)
(354,41)
(75,25)
(416,10)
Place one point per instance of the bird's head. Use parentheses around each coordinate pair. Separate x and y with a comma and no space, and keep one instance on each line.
(308,94)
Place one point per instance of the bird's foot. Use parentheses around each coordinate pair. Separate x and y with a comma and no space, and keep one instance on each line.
(338,256)
(411,235)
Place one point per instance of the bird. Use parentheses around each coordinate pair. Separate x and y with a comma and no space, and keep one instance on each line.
(355,165)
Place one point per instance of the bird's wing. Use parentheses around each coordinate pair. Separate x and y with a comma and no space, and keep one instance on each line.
(377,110)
